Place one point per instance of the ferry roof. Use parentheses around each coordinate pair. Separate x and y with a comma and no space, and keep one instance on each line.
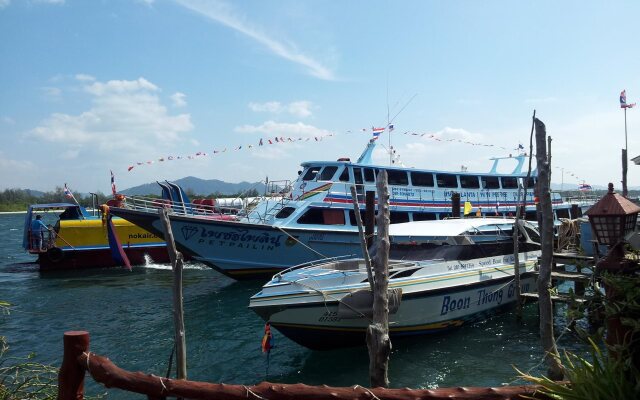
(445,227)
(50,206)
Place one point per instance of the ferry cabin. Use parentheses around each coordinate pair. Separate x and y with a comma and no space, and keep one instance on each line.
(321,195)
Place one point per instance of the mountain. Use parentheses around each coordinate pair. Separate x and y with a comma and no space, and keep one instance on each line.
(198,186)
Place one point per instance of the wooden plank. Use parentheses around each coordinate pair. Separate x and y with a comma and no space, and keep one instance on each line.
(557,298)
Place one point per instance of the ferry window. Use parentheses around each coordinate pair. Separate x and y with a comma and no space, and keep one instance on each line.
(396,177)
(357,176)
(562,213)
(469,182)
(285,212)
(369,175)
(509,182)
(447,180)
(396,217)
(327,173)
(344,176)
(444,215)
(421,178)
(533,235)
(530,216)
(490,182)
(311,173)
(322,216)
(426,216)
(530,183)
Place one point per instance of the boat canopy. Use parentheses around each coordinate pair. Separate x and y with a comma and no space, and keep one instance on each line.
(446,227)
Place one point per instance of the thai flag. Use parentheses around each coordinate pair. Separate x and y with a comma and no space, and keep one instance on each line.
(584,187)
(623,100)
(391,128)
(67,192)
(113,184)
(377,132)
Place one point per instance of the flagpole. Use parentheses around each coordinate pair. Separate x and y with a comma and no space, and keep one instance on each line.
(625,128)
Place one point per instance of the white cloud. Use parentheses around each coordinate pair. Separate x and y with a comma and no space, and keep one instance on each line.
(54,2)
(52,92)
(8,120)
(224,14)
(301,109)
(179,99)
(85,78)
(4,3)
(124,115)
(283,129)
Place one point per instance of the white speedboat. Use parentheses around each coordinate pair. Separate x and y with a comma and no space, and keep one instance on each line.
(442,274)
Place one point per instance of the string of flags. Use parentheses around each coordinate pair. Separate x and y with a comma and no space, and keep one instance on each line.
(375,131)
(262,142)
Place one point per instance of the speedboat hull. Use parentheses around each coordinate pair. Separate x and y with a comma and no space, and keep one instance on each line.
(319,326)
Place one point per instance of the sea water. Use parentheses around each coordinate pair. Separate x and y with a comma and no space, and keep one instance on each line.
(129,317)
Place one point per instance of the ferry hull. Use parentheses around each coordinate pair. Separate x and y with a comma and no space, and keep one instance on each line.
(318,325)
(98,258)
(246,251)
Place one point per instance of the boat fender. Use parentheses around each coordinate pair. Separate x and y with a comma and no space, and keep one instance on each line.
(55,254)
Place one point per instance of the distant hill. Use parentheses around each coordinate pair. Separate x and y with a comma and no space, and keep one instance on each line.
(198,186)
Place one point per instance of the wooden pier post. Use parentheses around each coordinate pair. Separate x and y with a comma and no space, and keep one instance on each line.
(369,216)
(178,308)
(455,205)
(363,238)
(71,375)
(554,370)
(378,341)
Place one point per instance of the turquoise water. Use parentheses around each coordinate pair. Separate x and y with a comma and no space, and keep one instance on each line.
(129,317)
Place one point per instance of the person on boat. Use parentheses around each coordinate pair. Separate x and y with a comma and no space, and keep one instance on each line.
(38,228)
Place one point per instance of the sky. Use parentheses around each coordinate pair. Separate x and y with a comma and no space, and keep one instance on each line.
(177,88)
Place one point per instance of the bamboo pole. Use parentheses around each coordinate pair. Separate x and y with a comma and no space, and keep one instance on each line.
(363,239)
(554,368)
(178,308)
(378,341)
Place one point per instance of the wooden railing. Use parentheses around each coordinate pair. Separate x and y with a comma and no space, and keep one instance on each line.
(78,360)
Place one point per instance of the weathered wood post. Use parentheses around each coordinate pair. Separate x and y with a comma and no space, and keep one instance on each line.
(369,216)
(554,370)
(378,341)
(455,205)
(178,308)
(71,375)
(363,239)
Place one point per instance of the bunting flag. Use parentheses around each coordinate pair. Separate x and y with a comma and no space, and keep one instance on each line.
(261,142)
(117,252)
(623,100)
(113,184)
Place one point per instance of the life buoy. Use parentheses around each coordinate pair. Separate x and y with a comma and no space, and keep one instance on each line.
(55,254)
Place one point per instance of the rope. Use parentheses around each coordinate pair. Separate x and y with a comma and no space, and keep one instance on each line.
(366,390)
(296,239)
(250,392)
(88,354)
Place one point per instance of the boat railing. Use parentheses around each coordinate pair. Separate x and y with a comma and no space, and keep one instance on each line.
(313,263)
(195,208)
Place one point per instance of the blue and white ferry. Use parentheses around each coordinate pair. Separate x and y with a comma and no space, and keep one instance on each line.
(313,218)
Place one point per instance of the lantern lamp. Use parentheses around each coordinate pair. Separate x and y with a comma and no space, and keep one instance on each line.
(612,217)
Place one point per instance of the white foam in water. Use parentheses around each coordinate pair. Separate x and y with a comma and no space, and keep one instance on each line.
(150,264)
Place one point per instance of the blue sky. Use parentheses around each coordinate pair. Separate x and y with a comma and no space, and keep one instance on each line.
(94,86)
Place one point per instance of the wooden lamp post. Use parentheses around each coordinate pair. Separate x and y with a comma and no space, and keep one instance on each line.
(611,219)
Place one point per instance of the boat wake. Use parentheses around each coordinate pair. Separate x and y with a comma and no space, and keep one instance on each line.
(150,264)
